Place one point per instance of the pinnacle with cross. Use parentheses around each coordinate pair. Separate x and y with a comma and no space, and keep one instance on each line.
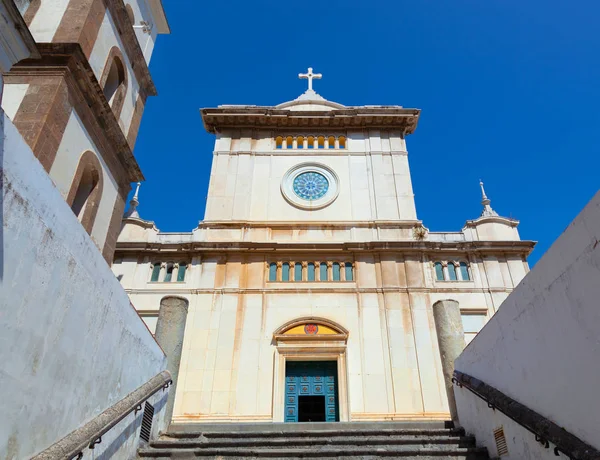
(309,76)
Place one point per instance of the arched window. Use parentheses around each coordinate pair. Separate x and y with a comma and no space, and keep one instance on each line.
(87,183)
(298,271)
(181,271)
(321,142)
(323,271)
(130,13)
(464,271)
(279,142)
(311,142)
(348,270)
(273,271)
(331,141)
(439,271)
(451,271)
(285,272)
(290,142)
(310,271)
(155,271)
(86,190)
(300,141)
(336,271)
(114,80)
(169,272)
(342,141)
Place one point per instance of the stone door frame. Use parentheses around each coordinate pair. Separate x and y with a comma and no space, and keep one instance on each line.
(310,348)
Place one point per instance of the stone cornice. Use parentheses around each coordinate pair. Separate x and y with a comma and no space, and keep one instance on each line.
(310,152)
(406,247)
(405,120)
(68,59)
(238,224)
(132,46)
(316,287)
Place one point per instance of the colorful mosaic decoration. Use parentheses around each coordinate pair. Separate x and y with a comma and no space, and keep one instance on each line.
(310,185)
(311,329)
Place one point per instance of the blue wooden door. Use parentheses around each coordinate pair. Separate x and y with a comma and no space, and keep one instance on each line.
(311,380)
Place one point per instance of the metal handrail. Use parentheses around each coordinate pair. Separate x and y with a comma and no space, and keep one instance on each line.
(90,434)
(544,430)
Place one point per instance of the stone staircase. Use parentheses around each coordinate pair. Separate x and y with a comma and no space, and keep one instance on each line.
(405,440)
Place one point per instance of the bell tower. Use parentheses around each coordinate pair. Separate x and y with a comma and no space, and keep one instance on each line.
(80,104)
(311,162)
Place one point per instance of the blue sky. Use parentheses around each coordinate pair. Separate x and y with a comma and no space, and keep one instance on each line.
(509,92)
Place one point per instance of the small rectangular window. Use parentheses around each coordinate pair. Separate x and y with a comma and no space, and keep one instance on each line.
(336,271)
(311,271)
(323,271)
(298,272)
(155,272)
(348,269)
(272,271)
(285,272)
(439,272)
(464,271)
(451,271)
(181,272)
(169,273)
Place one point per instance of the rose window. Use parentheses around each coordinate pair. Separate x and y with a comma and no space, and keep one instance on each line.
(310,185)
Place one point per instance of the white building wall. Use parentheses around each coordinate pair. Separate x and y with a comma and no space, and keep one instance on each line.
(68,329)
(541,348)
(47,19)
(107,38)
(394,370)
(246,181)
(74,143)
(12,97)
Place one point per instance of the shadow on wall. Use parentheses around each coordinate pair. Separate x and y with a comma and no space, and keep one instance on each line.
(130,432)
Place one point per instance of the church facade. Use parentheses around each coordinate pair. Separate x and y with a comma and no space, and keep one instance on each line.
(311,280)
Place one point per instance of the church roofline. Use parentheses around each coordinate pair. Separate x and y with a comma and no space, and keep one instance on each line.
(405,246)
(384,117)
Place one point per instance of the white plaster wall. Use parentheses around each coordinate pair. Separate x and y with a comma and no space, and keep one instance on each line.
(107,38)
(47,19)
(520,443)
(142,12)
(71,344)
(541,348)
(12,97)
(245,183)
(74,143)
(394,370)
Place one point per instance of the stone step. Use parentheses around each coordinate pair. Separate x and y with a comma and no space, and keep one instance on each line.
(308,440)
(312,433)
(306,426)
(421,452)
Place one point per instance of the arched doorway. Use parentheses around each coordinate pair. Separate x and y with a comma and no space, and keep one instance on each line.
(310,378)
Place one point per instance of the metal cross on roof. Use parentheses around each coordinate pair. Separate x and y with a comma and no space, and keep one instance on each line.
(309,76)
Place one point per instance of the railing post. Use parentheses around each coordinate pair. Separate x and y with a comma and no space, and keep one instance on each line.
(451,342)
(170,328)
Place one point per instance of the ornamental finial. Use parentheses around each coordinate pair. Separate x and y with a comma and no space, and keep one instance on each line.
(133,204)
(485,201)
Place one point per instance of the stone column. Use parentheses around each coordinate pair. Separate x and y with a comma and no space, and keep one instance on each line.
(451,341)
(169,335)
